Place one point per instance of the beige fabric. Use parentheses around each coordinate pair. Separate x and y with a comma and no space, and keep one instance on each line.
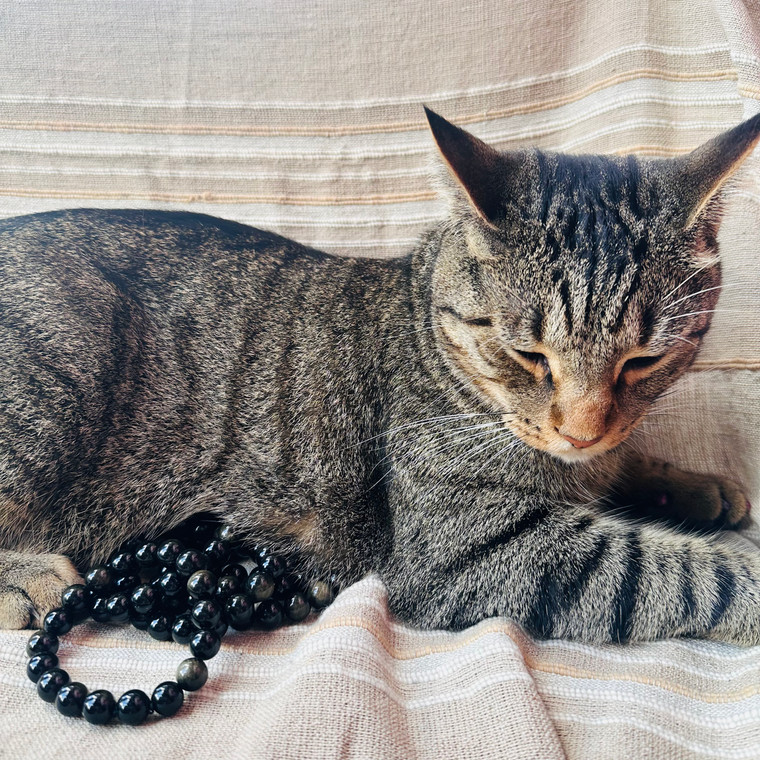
(305,118)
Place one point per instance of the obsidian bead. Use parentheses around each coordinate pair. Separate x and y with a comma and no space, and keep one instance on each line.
(168,552)
(226,586)
(238,611)
(39,663)
(201,585)
(139,621)
(70,699)
(190,562)
(99,612)
(217,551)
(260,586)
(284,587)
(274,565)
(160,628)
(221,628)
(98,580)
(41,642)
(50,682)
(269,613)
(77,600)
(133,707)
(205,644)
(202,532)
(123,563)
(99,707)
(58,622)
(171,583)
(192,674)
(126,583)
(117,607)
(167,698)
(225,533)
(147,555)
(320,594)
(296,607)
(144,599)
(260,552)
(183,630)
(205,614)
(238,571)
(174,605)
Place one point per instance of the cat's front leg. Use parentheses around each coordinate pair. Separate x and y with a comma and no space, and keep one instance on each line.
(31,585)
(657,489)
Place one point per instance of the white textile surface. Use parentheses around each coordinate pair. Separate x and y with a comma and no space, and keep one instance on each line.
(304,116)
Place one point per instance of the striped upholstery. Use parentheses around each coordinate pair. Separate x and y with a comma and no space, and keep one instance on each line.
(305,117)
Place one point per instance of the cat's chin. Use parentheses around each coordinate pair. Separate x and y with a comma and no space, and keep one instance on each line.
(579,456)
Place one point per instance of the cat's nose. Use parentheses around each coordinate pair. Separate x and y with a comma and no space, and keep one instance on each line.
(579,443)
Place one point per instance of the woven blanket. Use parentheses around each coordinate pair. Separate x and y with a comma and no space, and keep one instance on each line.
(304,117)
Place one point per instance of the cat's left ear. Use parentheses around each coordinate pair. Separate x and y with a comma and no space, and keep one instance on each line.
(700,175)
(480,171)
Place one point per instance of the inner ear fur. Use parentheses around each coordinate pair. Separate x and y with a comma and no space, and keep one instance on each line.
(481,171)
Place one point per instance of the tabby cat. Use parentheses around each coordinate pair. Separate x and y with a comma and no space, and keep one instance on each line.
(449,419)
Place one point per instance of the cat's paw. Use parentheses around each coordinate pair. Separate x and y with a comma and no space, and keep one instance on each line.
(703,501)
(31,586)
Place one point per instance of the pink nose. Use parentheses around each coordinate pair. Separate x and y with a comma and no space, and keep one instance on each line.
(579,444)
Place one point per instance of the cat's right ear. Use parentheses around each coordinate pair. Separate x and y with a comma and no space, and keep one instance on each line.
(479,170)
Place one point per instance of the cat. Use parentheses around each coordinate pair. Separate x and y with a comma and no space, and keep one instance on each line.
(450,420)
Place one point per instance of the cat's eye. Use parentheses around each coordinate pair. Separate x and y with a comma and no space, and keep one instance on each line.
(537,360)
(638,363)
(478,322)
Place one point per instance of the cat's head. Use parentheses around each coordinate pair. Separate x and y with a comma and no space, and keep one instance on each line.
(571,291)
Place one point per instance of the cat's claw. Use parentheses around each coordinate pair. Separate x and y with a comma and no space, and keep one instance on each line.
(31,585)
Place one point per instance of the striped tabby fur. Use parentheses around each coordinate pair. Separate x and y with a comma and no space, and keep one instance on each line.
(450,419)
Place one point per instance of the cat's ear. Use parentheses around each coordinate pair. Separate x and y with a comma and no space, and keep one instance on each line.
(479,170)
(700,175)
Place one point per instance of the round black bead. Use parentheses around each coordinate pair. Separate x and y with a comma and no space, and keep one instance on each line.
(58,622)
(99,707)
(42,642)
(192,674)
(226,586)
(225,533)
(50,682)
(260,552)
(99,612)
(39,663)
(260,586)
(174,605)
(205,614)
(133,707)
(202,532)
(183,629)
(77,600)
(296,607)
(205,644)
(285,586)
(126,583)
(117,607)
(168,552)
(167,698)
(221,628)
(147,555)
(190,562)
(98,580)
(320,594)
(201,585)
(274,565)
(123,563)
(238,571)
(217,551)
(171,583)
(139,621)
(269,614)
(144,599)
(238,611)
(70,699)
(160,628)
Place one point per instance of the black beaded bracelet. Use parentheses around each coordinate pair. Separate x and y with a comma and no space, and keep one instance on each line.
(175,592)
